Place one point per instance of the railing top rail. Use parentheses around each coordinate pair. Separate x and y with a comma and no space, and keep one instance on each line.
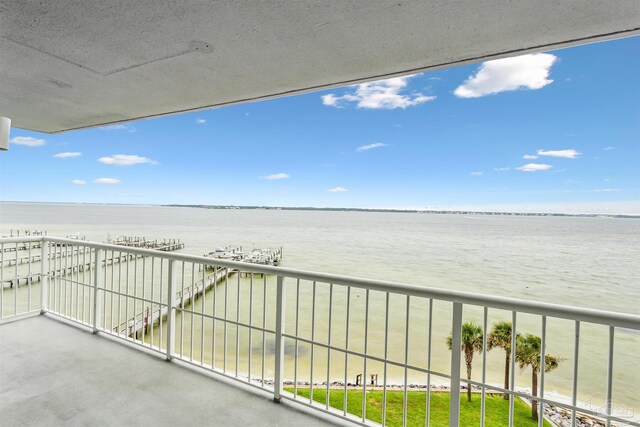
(25,239)
(609,318)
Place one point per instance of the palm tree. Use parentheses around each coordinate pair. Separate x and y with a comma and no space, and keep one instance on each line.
(500,337)
(471,343)
(528,350)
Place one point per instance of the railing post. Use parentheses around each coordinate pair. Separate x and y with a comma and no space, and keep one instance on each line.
(44,275)
(279,350)
(97,306)
(171,313)
(456,345)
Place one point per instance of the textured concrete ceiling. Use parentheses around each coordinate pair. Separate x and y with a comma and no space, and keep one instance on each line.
(69,64)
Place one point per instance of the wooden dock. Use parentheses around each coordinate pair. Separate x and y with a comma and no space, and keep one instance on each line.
(7,262)
(268,256)
(166,245)
(64,250)
(142,321)
(12,247)
(23,246)
(65,271)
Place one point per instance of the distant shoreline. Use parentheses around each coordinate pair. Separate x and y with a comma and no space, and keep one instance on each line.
(420,211)
(331,209)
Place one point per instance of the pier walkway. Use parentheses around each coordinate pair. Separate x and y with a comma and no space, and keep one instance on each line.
(149,316)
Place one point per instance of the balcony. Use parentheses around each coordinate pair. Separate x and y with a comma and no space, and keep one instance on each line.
(240,335)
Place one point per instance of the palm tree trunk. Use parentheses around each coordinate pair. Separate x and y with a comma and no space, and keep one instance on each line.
(534,393)
(469,379)
(507,365)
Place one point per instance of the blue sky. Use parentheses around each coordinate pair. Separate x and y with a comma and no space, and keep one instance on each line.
(454,138)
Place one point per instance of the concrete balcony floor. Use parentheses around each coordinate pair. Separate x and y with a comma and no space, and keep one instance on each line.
(53,374)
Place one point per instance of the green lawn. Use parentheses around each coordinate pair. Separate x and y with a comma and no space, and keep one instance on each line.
(496,409)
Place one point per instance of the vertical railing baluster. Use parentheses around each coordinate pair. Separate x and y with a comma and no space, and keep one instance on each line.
(484,365)
(406,362)
(576,354)
(543,352)
(119,325)
(364,370)
(57,268)
(44,276)
(346,354)
(386,356)
(213,321)
(428,410)
(126,299)
(194,292)
(171,312)
(160,294)
(152,285)
(295,361)
(78,317)
(279,349)
(264,324)
(111,288)
(29,278)
(16,286)
(313,331)
(456,345)
(250,325)
(145,318)
(329,345)
(610,374)
(182,314)
(87,279)
(96,288)
(202,307)
(226,319)
(238,323)
(136,300)
(512,368)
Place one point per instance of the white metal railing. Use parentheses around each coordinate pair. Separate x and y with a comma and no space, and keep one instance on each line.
(258,324)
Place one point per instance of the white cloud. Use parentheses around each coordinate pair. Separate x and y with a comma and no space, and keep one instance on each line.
(78,182)
(330,100)
(501,169)
(200,121)
(337,190)
(67,155)
(529,157)
(502,75)
(609,148)
(371,146)
(107,181)
(275,176)
(126,160)
(567,154)
(477,173)
(115,127)
(606,190)
(379,95)
(28,141)
(534,167)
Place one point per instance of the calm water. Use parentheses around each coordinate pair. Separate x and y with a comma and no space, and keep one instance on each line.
(586,262)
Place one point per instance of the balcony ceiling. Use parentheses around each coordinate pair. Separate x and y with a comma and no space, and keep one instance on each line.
(70,64)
